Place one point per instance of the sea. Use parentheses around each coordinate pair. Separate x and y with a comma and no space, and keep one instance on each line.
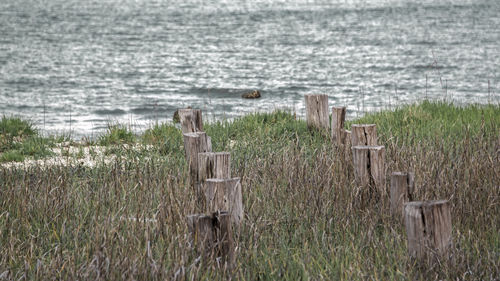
(78,66)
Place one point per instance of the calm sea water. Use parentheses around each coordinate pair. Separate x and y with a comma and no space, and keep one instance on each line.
(80,64)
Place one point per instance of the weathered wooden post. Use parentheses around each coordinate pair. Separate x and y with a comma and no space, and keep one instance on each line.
(428,227)
(338,119)
(191,120)
(361,163)
(369,166)
(401,192)
(214,165)
(224,194)
(195,143)
(363,134)
(200,227)
(225,242)
(317,111)
(211,235)
(347,136)
(347,146)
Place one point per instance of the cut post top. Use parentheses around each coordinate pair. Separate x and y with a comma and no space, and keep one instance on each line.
(368,147)
(316,95)
(214,153)
(188,109)
(205,216)
(195,134)
(363,125)
(215,180)
(197,216)
(417,204)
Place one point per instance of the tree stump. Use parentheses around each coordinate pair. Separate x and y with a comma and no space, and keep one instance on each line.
(365,134)
(191,120)
(317,111)
(211,235)
(428,226)
(402,185)
(195,143)
(224,194)
(338,119)
(369,166)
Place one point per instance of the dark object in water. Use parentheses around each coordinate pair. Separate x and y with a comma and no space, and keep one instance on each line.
(176,118)
(251,95)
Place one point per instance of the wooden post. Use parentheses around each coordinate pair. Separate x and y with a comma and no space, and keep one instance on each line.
(195,143)
(369,166)
(347,146)
(361,162)
(338,119)
(365,134)
(377,167)
(401,192)
(347,137)
(317,111)
(214,165)
(224,194)
(191,120)
(201,229)
(428,226)
(211,235)
(224,235)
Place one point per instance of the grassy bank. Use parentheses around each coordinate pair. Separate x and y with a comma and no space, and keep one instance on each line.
(20,139)
(302,217)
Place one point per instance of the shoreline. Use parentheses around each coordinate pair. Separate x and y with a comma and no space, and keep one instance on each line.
(305,215)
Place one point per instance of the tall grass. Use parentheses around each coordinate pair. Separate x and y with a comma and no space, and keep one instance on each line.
(20,139)
(303,216)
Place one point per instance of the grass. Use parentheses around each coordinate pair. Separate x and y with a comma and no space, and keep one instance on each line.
(116,134)
(303,219)
(165,138)
(438,120)
(20,139)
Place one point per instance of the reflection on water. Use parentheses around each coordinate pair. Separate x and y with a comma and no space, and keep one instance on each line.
(136,61)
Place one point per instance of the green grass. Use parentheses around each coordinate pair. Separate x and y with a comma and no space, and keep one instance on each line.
(434,120)
(117,134)
(11,127)
(20,139)
(303,217)
(165,138)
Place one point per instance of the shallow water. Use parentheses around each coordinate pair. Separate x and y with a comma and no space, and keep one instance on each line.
(76,65)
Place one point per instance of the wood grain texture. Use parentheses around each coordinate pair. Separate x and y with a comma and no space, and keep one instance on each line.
(369,167)
(401,192)
(191,120)
(212,237)
(363,134)
(317,111)
(224,194)
(337,126)
(214,165)
(428,227)
(195,143)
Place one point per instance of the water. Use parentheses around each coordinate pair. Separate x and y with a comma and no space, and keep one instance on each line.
(77,65)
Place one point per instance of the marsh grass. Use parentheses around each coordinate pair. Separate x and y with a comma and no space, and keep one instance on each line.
(116,134)
(20,139)
(303,216)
